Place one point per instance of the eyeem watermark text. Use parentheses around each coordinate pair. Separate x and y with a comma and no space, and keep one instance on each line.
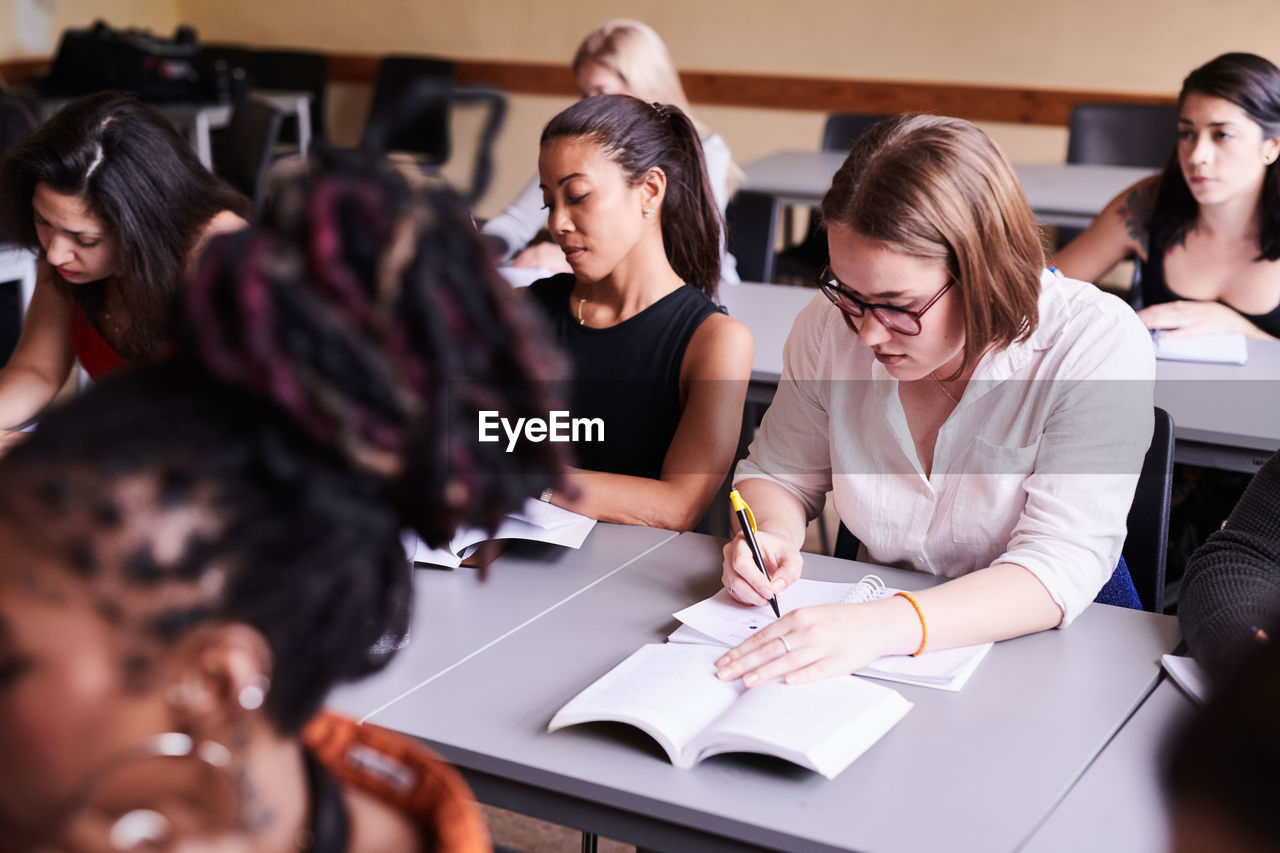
(557,427)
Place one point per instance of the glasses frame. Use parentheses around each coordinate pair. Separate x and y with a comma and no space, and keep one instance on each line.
(889,316)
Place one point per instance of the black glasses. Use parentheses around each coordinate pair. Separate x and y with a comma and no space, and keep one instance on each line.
(899,320)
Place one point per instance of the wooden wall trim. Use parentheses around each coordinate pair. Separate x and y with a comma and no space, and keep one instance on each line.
(769,91)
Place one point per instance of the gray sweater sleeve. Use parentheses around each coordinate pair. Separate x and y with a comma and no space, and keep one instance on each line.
(1232,582)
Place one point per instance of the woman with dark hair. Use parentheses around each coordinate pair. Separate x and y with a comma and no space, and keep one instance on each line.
(194,552)
(119,207)
(656,362)
(619,57)
(1206,231)
(967,407)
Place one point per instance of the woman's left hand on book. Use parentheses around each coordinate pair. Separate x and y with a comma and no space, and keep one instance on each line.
(818,642)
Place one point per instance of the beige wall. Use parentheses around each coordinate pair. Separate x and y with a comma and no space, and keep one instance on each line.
(159,15)
(1123,45)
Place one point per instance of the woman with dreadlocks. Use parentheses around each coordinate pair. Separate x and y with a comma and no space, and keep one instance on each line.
(193,553)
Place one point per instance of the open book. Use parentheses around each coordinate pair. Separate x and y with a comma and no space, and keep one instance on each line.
(537,521)
(671,692)
(721,621)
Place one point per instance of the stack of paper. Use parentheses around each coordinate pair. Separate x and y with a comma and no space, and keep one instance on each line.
(721,621)
(1217,349)
(537,521)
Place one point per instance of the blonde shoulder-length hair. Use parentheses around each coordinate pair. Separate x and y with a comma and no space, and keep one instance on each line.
(637,54)
(939,188)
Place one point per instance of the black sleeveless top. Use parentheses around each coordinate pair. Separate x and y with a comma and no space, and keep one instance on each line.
(1154,290)
(627,375)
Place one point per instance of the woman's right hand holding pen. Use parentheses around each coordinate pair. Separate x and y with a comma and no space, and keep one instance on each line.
(745,583)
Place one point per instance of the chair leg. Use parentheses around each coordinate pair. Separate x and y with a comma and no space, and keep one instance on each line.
(589,842)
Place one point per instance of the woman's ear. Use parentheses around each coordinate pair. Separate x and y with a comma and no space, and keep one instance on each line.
(1270,149)
(653,188)
(219,676)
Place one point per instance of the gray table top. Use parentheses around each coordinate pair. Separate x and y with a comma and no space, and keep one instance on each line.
(978,770)
(457,614)
(1059,193)
(1118,803)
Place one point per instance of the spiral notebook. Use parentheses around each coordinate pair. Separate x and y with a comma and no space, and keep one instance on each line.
(721,621)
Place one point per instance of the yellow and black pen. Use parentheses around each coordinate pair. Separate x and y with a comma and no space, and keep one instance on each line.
(747,522)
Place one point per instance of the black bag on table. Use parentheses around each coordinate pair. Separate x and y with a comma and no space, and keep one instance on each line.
(133,60)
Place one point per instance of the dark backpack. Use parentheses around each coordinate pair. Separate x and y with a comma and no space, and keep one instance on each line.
(133,60)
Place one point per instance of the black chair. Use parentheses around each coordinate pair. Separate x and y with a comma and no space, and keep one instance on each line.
(1146,545)
(426,132)
(417,108)
(1141,135)
(245,150)
(1138,135)
(806,259)
(299,71)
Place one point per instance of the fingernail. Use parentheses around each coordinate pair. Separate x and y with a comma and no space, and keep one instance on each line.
(779,585)
(723,673)
(750,678)
(723,661)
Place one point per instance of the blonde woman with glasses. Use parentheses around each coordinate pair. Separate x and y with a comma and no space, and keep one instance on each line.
(976,416)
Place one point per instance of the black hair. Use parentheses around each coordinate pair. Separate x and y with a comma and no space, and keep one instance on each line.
(137,174)
(324,394)
(1227,757)
(639,137)
(1252,84)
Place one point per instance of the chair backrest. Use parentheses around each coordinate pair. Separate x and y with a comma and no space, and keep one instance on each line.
(247,146)
(1146,545)
(299,71)
(843,129)
(426,96)
(1122,134)
(427,131)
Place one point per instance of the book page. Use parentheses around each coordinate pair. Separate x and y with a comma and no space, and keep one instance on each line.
(823,725)
(1226,348)
(537,521)
(669,691)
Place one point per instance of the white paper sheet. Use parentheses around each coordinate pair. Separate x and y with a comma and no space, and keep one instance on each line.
(1215,349)
(537,521)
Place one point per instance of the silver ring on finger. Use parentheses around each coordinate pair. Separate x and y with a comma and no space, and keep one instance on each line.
(785,644)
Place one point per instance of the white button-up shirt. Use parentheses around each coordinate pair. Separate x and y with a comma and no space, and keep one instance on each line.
(1036,465)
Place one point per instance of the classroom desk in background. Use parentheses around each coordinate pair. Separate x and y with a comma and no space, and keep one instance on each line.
(979,770)
(1224,415)
(1064,195)
(456,613)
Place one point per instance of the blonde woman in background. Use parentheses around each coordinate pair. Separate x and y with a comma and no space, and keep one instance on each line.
(620,57)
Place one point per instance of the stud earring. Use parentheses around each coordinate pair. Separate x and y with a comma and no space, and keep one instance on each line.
(253,695)
(648,213)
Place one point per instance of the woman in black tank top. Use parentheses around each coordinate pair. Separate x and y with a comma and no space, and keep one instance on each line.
(660,372)
(1206,231)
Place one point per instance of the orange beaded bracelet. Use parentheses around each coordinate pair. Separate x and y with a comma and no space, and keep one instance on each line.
(924,629)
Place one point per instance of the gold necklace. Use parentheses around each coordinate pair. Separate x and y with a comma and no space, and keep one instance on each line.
(582,300)
(944,388)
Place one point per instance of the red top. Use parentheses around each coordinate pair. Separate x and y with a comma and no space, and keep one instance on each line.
(95,355)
